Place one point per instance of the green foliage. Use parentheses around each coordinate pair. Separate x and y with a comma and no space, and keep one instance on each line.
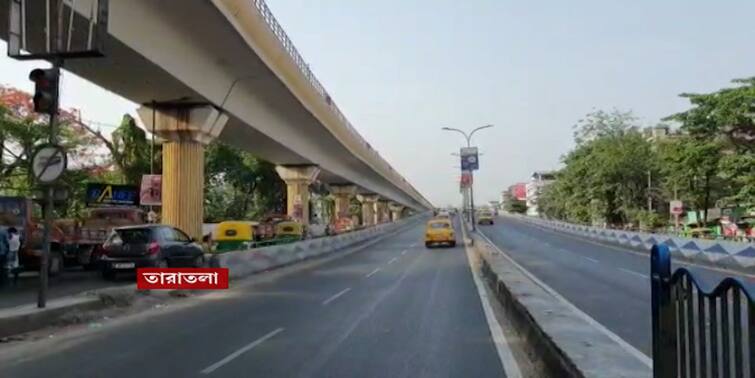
(239,185)
(605,176)
(711,160)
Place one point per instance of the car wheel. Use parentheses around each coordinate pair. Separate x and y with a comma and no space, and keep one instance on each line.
(453,244)
(55,264)
(428,245)
(109,274)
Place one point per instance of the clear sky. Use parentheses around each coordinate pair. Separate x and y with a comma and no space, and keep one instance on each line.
(401,70)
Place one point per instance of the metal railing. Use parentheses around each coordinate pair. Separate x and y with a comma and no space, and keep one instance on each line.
(277,29)
(699,333)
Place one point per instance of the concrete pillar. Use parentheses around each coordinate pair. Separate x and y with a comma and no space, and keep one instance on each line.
(368,209)
(396,210)
(342,195)
(185,129)
(298,179)
(382,211)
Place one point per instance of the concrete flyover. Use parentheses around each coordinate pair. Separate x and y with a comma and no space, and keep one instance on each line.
(225,69)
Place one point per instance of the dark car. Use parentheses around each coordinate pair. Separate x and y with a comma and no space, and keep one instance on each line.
(131,247)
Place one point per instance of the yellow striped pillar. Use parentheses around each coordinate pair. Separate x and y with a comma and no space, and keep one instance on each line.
(185,129)
(298,179)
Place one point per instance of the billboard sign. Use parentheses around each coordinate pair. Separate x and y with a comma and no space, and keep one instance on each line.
(676,207)
(466,179)
(150,193)
(99,194)
(469,159)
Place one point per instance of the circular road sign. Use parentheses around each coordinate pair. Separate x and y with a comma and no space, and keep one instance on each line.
(49,163)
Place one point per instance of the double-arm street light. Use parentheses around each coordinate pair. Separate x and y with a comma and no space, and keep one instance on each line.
(468,137)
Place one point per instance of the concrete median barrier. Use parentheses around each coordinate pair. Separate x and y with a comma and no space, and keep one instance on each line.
(735,256)
(557,335)
(251,261)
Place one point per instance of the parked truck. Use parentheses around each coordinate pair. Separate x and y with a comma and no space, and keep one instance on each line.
(25,215)
(97,225)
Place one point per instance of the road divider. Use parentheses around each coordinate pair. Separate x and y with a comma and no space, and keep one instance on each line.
(730,255)
(247,262)
(558,336)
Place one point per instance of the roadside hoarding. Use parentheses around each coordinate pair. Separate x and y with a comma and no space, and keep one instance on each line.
(466,179)
(100,194)
(676,207)
(469,159)
(151,190)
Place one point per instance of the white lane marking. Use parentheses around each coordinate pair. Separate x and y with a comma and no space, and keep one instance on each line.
(403,252)
(589,259)
(600,327)
(241,351)
(391,261)
(371,273)
(645,276)
(510,366)
(335,296)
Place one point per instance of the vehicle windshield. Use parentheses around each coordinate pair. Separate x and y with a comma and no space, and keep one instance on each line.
(437,225)
(132,236)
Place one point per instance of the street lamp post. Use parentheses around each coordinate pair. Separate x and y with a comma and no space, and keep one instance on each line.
(468,137)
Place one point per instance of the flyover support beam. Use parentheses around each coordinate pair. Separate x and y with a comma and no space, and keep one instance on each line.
(343,195)
(369,202)
(186,129)
(297,179)
(396,211)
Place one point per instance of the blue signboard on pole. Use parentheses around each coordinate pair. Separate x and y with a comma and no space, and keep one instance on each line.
(469,160)
(98,195)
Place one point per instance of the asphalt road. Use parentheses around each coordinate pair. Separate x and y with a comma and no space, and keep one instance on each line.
(610,284)
(394,309)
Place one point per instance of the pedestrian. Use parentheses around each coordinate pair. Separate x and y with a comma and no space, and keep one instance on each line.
(14,245)
(4,251)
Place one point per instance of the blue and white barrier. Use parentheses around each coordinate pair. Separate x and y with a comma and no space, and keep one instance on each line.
(721,253)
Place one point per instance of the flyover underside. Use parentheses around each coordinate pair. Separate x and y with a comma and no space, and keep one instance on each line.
(158,52)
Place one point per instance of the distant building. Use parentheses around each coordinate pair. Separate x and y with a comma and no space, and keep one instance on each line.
(658,133)
(537,182)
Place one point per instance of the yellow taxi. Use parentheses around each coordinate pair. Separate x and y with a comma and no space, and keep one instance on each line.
(439,231)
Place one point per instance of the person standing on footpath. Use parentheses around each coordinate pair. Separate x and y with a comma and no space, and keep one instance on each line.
(4,251)
(14,245)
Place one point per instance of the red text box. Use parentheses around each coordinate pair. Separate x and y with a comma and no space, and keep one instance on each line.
(182,278)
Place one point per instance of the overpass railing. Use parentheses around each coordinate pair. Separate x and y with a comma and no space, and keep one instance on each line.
(277,29)
(699,333)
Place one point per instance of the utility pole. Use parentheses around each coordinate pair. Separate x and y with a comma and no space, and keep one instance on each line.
(650,197)
(468,137)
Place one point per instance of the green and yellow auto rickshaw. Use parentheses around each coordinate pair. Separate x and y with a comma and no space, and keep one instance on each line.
(234,235)
(288,230)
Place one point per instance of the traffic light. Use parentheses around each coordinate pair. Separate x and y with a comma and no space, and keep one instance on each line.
(45,90)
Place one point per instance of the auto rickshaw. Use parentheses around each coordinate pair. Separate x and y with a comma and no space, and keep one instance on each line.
(233,235)
(289,231)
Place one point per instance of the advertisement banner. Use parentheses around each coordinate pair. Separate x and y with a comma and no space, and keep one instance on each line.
(151,190)
(466,179)
(676,207)
(99,194)
(469,160)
